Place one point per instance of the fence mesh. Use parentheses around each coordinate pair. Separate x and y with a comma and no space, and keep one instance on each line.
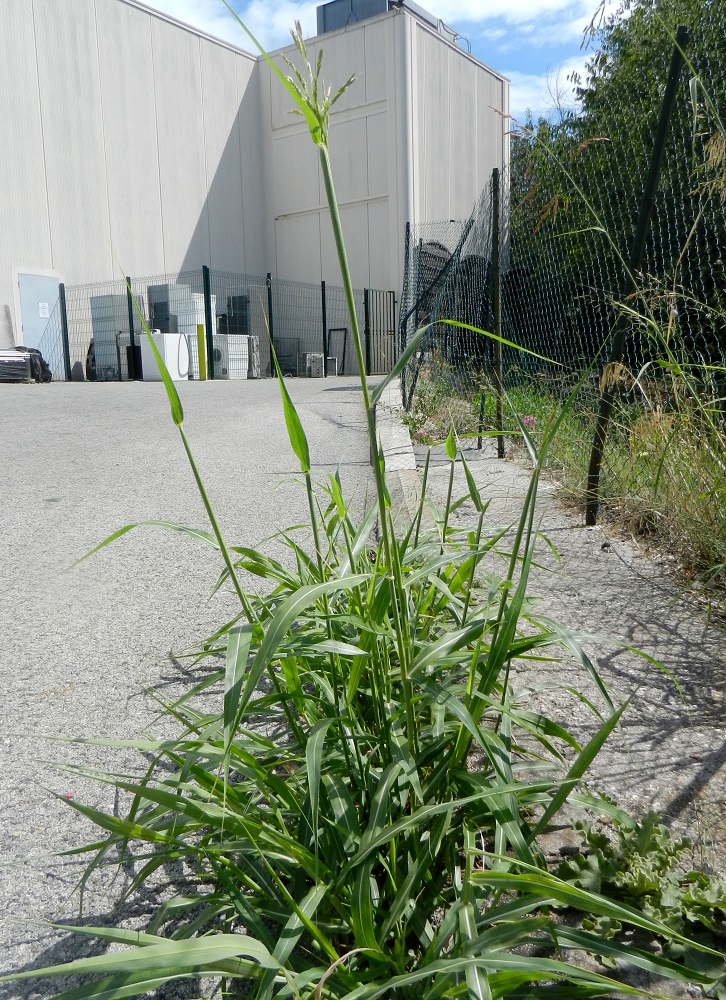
(569,208)
(308,323)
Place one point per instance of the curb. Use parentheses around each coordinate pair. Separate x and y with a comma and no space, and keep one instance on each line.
(402,475)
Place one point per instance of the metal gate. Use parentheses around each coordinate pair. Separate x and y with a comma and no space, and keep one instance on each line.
(380,331)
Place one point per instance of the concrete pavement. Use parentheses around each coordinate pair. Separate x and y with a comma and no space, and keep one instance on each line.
(78,648)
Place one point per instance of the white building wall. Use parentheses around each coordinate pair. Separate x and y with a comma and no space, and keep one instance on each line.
(140,146)
(365,156)
(461,126)
(413,139)
(125,131)
(25,225)
(126,69)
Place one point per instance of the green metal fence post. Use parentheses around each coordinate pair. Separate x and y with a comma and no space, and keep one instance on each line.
(325,328)
(270,325)
(367,328)
(607,392)
(208,322)
(497,307)
(402,323)
(132,339)
(64,331)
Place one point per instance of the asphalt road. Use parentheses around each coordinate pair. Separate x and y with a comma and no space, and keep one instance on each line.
(79,648)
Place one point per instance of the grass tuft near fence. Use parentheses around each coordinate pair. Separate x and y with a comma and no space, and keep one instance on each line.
(664,470)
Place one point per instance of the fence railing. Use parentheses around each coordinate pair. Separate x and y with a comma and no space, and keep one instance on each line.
(224,324)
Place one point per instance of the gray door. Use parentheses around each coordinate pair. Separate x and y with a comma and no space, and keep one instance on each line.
(38,299)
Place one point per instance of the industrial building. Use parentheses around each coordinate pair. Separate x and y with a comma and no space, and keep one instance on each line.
(134,144)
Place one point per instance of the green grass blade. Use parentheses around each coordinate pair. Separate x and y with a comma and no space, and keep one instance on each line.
(300,104)
(582,900)
(502,340)
(313,762)
(168,956)
(197,533)
(280,624)
(238,648)
(116,987)
(578,769)
(403,359)
(476,978)
(295,431)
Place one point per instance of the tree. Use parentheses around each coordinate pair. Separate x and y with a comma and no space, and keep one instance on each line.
(575,180)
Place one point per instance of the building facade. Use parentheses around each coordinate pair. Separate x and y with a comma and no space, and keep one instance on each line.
(135,144)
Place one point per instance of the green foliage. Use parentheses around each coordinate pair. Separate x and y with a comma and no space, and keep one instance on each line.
(645,867)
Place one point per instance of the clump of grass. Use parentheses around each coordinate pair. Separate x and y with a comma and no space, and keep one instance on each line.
(664,472)
(359,855)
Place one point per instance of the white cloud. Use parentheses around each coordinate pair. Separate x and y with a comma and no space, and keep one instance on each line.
(269,22)
(546,93)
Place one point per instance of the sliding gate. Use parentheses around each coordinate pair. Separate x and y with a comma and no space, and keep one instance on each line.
(380,331)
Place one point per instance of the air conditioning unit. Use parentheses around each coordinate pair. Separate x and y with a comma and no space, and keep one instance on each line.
(311,364)
(231,356)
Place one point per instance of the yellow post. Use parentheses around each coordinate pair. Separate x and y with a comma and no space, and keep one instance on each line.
(201,352)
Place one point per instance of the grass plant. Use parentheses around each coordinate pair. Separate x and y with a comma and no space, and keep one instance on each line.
(336,838)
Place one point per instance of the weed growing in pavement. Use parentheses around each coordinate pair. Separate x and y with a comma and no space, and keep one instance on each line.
(360,856)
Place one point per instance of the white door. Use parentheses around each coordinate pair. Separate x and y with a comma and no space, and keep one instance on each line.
(38,294)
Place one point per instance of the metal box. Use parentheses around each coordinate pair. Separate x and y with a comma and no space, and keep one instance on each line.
(15,366)
(340,13)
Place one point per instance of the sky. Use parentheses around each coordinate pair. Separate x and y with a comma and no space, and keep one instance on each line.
(537,44)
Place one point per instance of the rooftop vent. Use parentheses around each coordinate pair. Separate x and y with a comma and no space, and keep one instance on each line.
(340,13)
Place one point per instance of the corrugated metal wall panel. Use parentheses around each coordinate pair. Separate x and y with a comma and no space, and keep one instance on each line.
(25,229)
(295,171)
(378,67)
(349,157)
(73,138)
(250,166)
(297,242)
(465,151)
(380,248)
(377,154)
(180,136)
(129,127)
(461,127)
(225,214)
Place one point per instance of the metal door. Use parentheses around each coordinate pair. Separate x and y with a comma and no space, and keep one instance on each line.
(380,331)
(38,298)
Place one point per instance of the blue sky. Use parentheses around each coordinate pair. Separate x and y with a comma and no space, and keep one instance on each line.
(536,43)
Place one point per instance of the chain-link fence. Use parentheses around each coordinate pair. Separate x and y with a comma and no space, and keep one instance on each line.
(216,325)
(570,208)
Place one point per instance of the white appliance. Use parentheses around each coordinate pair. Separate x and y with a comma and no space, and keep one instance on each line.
(190,313)
(174,352)
(231,355)
(311,364)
